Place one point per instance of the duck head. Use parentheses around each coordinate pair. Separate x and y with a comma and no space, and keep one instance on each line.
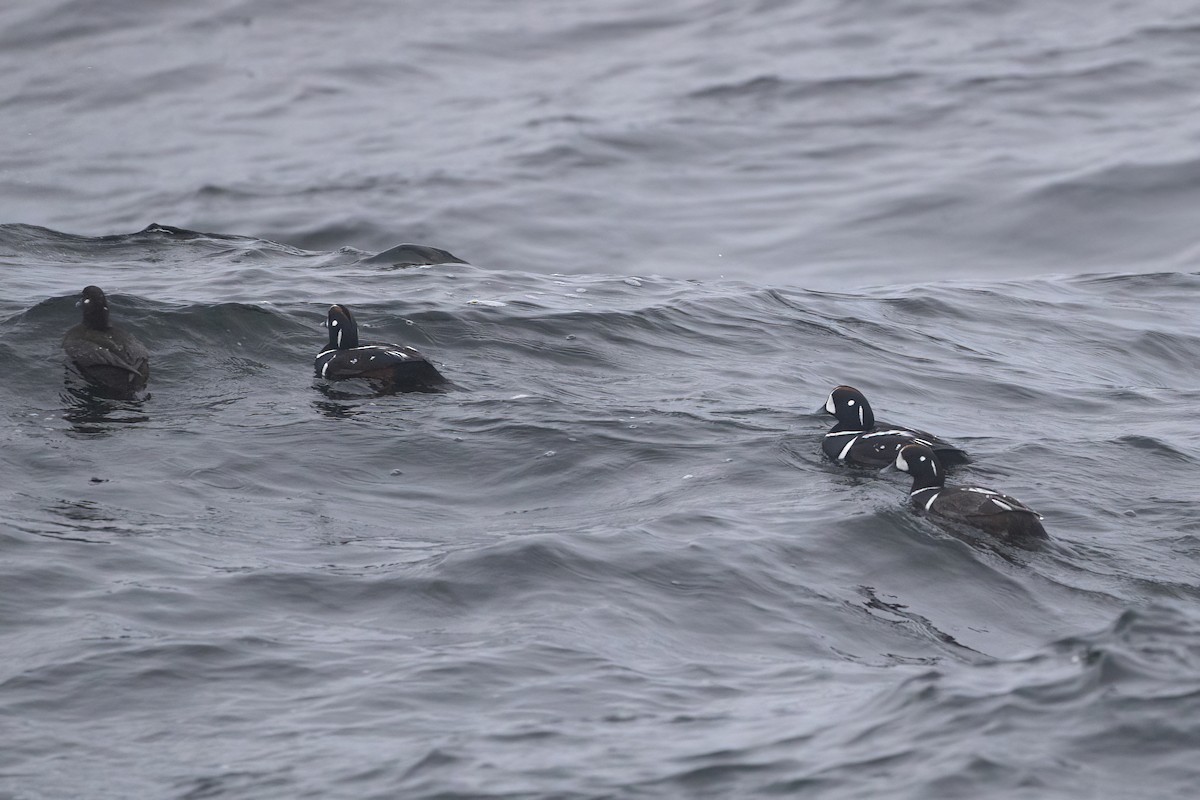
(851,409)
(343,330)
(95,308)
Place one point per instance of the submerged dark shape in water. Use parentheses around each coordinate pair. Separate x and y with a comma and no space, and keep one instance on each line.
(859,441)
(393,367)
(409,255)
(985,509)
(108,357)
(402,255)
(172,231)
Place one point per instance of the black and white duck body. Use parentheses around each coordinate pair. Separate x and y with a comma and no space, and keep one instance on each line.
(397,367)
(106,356)
(858,440)
(986,509)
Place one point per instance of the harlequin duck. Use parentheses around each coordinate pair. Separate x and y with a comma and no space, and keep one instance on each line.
(857,440)
(397,367)
(107,357)
(981,508)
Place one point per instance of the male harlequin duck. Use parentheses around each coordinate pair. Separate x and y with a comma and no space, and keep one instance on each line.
(399,368)
(106,356)
(981,508)
(858,441)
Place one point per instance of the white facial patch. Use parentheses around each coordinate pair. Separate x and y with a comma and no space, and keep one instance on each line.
(828,403)
(901,464)
(87,301)
(333,323)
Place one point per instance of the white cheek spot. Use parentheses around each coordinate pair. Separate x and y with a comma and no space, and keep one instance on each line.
(333,323)
(850,403)
(87,302)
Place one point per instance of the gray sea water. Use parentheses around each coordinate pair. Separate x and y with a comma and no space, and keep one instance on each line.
(612,563)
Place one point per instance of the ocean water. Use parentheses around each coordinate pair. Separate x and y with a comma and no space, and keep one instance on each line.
(611,562)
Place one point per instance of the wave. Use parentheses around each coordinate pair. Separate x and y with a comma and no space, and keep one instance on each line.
(623,502)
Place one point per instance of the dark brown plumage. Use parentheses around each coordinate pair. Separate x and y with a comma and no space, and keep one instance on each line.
(986,509)
(107,357)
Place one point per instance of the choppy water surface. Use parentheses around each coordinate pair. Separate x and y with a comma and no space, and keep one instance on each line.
(611,563)
(837,142)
